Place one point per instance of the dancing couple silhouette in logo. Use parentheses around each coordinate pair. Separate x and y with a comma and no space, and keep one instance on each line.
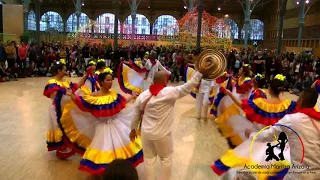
(282,141)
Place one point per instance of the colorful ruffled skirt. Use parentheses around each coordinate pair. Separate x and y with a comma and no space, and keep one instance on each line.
(240,158)
(231,121)
(55,138)
(131,81)
(104,139)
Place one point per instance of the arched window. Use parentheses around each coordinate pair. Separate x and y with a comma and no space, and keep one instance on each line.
(233,28)
(142,25)
(105,24)
(256,29)
(221,28)
(51,20)
(84,23)
(165,25)
(32,21)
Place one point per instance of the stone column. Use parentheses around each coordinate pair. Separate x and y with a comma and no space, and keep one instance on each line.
(78,6)
(133,17)
(26,4)
(190,7)
(116,6)
(247,16)
(200,11)
(281,12)
(38,18)
(301,20)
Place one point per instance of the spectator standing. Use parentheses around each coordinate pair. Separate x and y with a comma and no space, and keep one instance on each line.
(11,54)
(237,64)
(259,62)
(2,54)
(86,53)
(23,53)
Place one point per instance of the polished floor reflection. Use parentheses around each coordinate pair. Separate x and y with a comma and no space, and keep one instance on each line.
(23,115)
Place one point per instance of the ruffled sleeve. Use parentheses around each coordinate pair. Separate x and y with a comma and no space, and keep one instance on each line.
(261,112)
(220,79)
(245,86)
(101,106)
(74,87)
(93,81)
(51,87)
(318,86)
(227,85)
(137,66)
(258,93)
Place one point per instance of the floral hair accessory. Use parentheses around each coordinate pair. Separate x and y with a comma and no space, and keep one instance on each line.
(258,76)
(280,77)
(62,61)
(246,67)
(108,71)
(92,63)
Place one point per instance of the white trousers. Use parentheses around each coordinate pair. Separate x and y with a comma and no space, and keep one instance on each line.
(202,103)
(151,149)
(86,60)
(108,62)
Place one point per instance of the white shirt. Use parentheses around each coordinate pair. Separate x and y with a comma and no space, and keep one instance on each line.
(158,115)
(205,86)
(174,56)
(153,69)
(302,124)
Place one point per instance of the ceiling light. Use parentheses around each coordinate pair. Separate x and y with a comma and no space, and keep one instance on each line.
(307,1)
(219,8)
(185,7)
(227,15)
(82,4)
(148,7)
(298,3)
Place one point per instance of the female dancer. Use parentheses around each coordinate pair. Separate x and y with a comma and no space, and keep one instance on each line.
(237,121)
(56,89)
(262,112)
(103,113)
(241,90)
(224,81)
(132,77)
(136,77)
(316,85)
(91,82)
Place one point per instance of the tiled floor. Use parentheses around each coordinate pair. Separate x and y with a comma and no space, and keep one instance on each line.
(23,153)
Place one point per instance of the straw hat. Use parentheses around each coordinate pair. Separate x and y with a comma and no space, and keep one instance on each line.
(211,63)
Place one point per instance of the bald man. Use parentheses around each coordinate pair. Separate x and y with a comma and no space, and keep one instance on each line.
(155,107)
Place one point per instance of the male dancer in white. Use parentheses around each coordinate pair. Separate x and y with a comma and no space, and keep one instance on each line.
(153,66)
(202,99)
(155,106)
(306,123)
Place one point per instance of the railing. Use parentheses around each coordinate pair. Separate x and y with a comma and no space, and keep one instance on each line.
(126,36)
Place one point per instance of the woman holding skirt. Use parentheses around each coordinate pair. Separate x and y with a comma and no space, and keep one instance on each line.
(241,90)
(261,112)
(101,123)
(237,121)
(55,90)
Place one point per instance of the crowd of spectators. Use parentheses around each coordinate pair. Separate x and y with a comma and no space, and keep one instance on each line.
(301,70)
(28,60)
